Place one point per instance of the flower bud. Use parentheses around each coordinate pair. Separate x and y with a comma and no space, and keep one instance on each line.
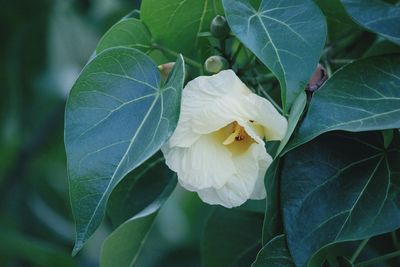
(215,64)
(219,27)
(317,80)
(165,69)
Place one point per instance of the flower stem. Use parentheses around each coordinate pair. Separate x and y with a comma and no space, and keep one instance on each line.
(378,259)
(341,61)
(235,55)
(222,46)
(170,52)
(359,250)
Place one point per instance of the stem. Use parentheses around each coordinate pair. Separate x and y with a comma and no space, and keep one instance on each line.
(175,54)
(328,67)
(235,55)
(358,250)
(379,259)
(222,45)
(341,61)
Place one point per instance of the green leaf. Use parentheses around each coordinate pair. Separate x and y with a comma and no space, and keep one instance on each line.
(339,187)
(123,246)
(118,115)
(138,189)
(295,114)
(229,236)
(177,23)
(382,47)
(286,35)
(128,32)
(362,96)
(376,16)
(344,262)
(274,253)
(272,220)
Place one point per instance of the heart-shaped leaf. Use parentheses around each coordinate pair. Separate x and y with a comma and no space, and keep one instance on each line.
(362,96)
(377,16)
(286,35)
(339,187)
(118,115)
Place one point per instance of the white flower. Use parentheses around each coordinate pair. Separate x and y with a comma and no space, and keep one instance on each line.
(217,148)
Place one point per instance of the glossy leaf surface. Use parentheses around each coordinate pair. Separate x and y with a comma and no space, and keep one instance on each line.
(377,16)
(274,254)
(339,187)
(362,96)
(118,115)
(287,36)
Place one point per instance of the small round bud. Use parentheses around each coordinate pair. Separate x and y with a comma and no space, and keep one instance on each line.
(165,69)
(215,64)
(219,27)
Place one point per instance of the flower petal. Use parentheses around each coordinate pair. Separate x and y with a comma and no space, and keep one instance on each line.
(222,110)
(264,113)
(247,183)
(183,135)
(199,96)
(205,164)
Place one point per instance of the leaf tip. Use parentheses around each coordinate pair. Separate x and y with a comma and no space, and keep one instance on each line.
(77,247)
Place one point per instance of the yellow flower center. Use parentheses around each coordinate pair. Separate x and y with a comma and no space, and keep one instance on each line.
(235,137)
(238,134)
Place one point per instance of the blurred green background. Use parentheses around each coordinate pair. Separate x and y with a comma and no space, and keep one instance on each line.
(44,45)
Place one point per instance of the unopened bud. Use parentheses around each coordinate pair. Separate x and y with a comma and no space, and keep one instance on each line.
(317,79)
(219,27)
(165,69)
(215,64)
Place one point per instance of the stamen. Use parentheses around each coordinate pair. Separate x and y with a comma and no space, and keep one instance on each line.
(231,138)
(238,134)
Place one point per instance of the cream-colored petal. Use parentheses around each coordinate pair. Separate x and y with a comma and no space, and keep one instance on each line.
(227,196)
(211,102)
(205,164)
(247,183)
(224,164)
(183,135)
(223,83)
(264,113)
(219,113)
(199,96)
(251,167)
(242,109)
(259,191)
